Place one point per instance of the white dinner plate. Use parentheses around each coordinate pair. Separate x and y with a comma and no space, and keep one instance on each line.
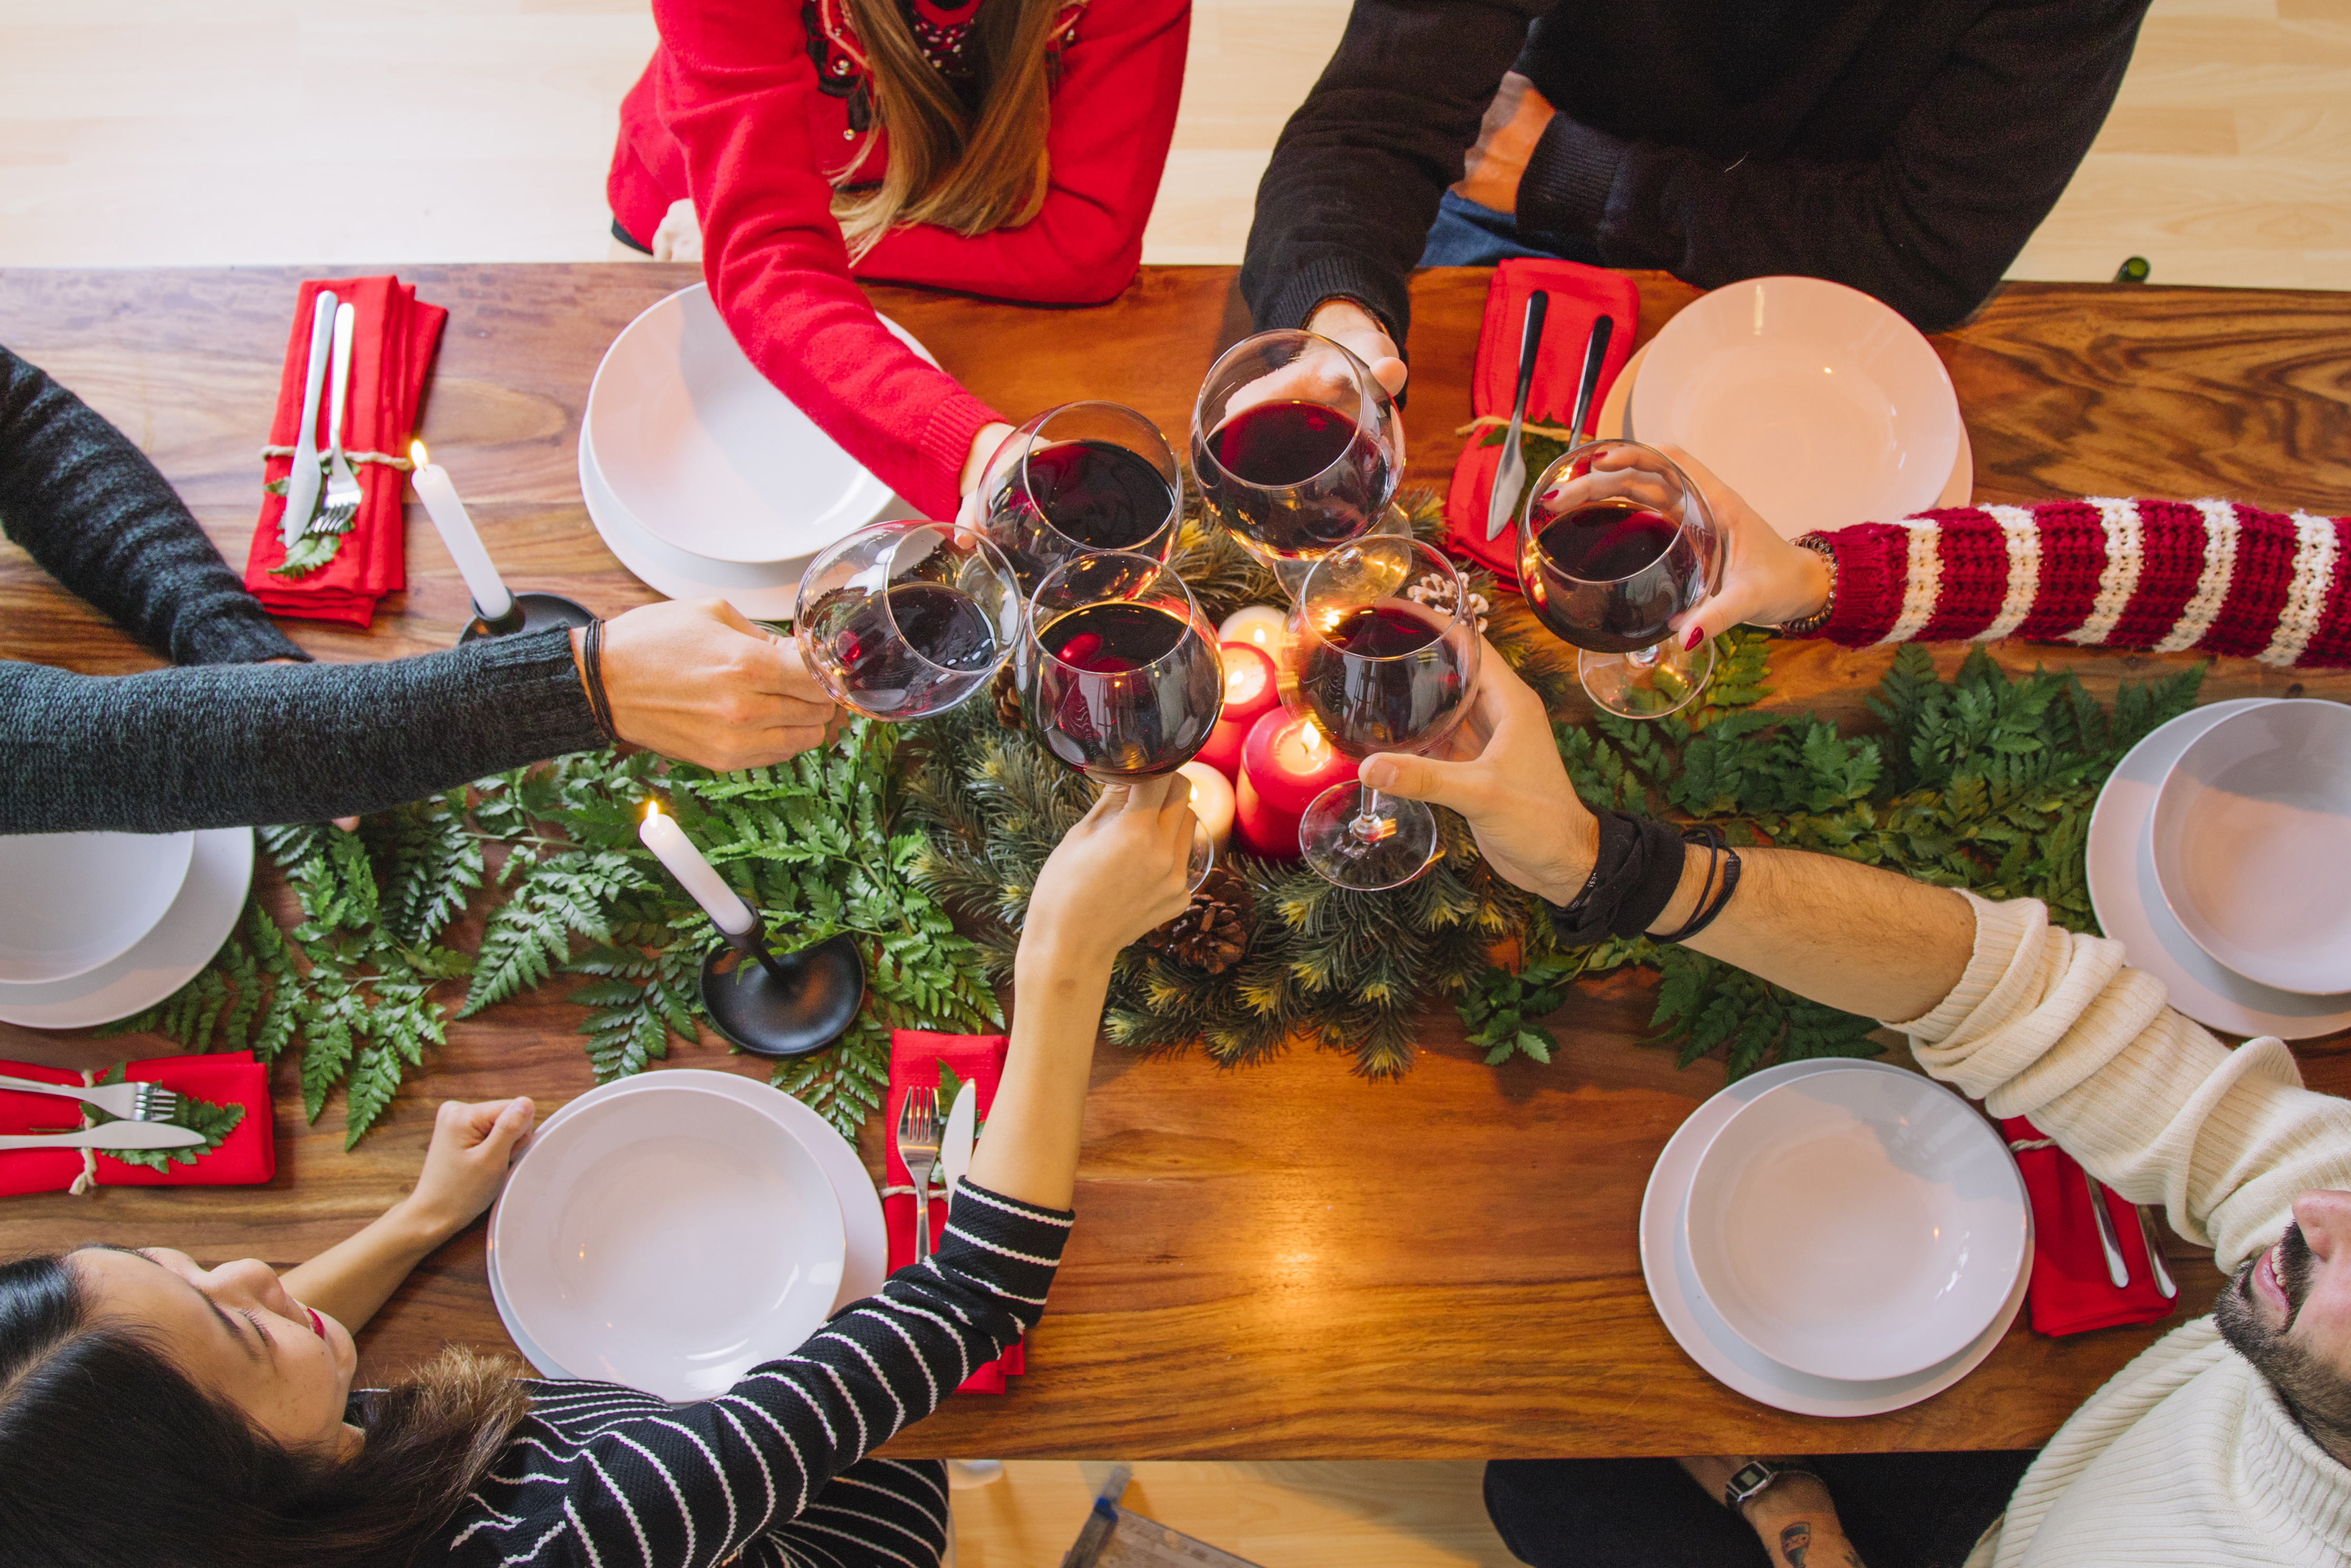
(707,455)
(1857,1225)
(670,1240)
(2253,844)
(1816,402)
(2129,904)
(72,901)
(171,952)
(1699,1330)
(761,593)
(1617,419)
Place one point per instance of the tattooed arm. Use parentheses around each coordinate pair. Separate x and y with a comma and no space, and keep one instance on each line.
(1794,1517)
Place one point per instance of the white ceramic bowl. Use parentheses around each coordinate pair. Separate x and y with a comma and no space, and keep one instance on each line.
(72,901)
(2253,844)
(706,455)
(1857,1225)
(1817,403)
(670,1239)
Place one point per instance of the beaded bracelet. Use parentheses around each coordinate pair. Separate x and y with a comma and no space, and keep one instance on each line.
(1818,618)
(591,668)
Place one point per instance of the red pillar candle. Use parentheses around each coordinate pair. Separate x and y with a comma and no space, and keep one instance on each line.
(1287,762)
(1251,691)
(1259,828)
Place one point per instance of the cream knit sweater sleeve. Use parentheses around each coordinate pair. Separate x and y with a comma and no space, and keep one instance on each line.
(2049,1024)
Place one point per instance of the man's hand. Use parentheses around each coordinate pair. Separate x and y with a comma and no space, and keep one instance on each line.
(1508,780)
(695,681)
(1345,322)
(1493,166)
(466,1161)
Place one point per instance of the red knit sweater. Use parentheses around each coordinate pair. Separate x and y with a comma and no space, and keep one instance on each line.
(2207,576)
(730,110)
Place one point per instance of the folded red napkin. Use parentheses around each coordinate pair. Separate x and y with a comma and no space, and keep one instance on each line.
(2071,1291)
(247,1157)
(1580,296)
(393,335)
(915,1059)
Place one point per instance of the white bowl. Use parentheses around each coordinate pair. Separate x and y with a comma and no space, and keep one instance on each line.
(670,1239)
(72,901)
(1857,1225)
(707,455)
(1817,403)
(2251,837)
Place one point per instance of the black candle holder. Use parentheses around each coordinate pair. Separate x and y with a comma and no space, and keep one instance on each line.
(529,613)
(782,1003)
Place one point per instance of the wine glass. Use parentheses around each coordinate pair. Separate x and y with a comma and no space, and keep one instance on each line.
(1119,671)
(1297,448)
(1084,477)
(1615,541)
(1383,656)
(906,620)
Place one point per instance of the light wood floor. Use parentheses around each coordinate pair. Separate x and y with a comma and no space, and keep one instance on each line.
(146,132)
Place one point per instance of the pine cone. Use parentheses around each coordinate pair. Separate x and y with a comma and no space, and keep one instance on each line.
(1214,932)
(1006,691)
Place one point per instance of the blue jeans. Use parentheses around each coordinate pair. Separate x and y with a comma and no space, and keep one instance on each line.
(1467,234)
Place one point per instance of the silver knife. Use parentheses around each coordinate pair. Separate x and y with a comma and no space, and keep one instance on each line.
(302,480)
(2163,1280)
(1595,352)
(113,1136)
(954,1144)
(1510,475)
(2117,1271)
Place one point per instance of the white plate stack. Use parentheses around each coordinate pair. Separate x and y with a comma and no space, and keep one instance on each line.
(703,479)
(97,926)
(1836,1238)
(673,1230)
(2218,854)
(1817,403)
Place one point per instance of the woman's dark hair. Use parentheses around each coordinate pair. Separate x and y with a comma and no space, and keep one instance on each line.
(110,1457)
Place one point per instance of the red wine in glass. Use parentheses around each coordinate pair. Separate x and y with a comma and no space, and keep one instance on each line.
(1295,477)
(1129,688)
(1076,495)
(1611,576)
(887,647)
(1365,694)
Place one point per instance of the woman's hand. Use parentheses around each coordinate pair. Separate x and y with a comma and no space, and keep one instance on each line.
(1766,579)
(694,680)
(1124,869)
(1507,778)
(975,463)
(467,1163)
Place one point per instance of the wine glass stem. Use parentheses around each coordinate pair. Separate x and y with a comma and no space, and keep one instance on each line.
(1371,819)
(1646,658)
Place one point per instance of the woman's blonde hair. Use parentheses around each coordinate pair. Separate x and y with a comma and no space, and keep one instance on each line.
(971,169)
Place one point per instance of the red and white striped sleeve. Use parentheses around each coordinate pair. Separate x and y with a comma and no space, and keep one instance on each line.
(2205,577)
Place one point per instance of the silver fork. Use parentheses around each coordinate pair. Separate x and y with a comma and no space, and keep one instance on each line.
(343,500)
(918,1147)
(132,1102)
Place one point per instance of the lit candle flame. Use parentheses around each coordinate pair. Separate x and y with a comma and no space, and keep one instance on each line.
(653,807)
(1310,738)
(417,455)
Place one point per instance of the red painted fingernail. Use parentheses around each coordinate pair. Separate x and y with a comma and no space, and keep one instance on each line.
(1697,636)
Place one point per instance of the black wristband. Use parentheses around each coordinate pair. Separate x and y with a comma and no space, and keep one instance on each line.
(592,669)
(1710,902)
(1638,868)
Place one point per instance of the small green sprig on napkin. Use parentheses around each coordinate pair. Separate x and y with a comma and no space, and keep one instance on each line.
(214,1122)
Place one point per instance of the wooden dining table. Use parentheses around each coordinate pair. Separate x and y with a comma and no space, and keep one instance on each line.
(1277,1260)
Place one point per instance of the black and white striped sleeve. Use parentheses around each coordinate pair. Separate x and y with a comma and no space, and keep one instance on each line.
(608,1477)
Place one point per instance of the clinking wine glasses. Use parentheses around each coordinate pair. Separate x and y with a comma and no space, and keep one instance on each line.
(1383,656)
(1119,671)
(1297,448)
(1084,477)
(1614,543)
(906,620)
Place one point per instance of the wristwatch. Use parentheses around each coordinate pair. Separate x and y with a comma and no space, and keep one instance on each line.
(1756,1476)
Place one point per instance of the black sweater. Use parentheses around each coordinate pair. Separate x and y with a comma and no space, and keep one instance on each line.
(1907,148)
(227,740)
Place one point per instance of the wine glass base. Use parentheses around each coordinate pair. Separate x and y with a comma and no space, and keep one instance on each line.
(1346,849)
(531,612)
(768,1016)
(1650,684)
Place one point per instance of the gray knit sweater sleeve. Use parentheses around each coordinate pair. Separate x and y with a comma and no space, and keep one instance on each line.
(228,741)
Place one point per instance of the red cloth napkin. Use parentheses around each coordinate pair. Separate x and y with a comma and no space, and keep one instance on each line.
(393,336)
(915,1059)
(247,1157)
(2071,1291)
(1580,296)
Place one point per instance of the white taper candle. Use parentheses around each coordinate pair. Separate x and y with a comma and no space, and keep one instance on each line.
(448,515)
(662,835)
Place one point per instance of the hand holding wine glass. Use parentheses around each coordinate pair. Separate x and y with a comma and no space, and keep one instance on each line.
(904,620)
(1084,477)
(1766,579)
